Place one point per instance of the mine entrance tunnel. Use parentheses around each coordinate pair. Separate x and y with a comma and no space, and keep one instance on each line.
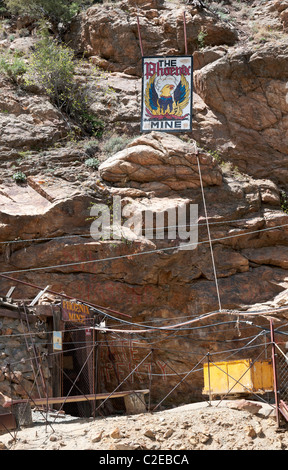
(78,369)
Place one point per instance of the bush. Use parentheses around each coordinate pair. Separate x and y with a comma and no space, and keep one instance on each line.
(52,67)
(91,147)
(116,143)
(19,177)
(12,66)
(55,10)
(92,163)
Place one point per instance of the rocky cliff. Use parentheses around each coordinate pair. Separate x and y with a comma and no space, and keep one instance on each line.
(239,139)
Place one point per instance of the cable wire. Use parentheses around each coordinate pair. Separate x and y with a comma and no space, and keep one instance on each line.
(208,230)
(220,222)
(151,252)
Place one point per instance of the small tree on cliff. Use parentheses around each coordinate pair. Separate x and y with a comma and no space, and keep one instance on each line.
(52,67)
(54,10)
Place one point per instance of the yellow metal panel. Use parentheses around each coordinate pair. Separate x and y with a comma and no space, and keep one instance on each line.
(218,378)
(239,376)
(231,377)
(262,373)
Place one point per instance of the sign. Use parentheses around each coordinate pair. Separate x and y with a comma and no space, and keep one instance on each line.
(167,84)
(74,312)
(57,340)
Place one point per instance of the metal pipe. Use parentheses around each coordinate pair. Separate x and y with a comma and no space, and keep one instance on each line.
(185,33)
(208,361)
(72,399)
(139,34)
(37,361)
(274,373)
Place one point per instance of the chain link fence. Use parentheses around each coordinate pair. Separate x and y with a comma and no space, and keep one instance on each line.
(282,375)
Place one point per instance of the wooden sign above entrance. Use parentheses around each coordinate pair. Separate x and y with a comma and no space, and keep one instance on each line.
(167,85)
(74,312)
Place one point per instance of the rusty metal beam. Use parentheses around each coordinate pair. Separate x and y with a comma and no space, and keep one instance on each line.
(274,372)
(106,309)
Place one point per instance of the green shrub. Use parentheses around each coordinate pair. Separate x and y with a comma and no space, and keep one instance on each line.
(284,201)
(91,147)
(19,177)
(55,10)
(201,38)
(115,144)
(52,67)
(12,66)
(92,163)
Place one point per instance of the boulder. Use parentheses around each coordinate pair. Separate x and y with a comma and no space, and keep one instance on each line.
(160,163)
(247,92)
(28,121)
(246,405)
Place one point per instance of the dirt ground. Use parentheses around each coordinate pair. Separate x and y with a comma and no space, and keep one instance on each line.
(200,426)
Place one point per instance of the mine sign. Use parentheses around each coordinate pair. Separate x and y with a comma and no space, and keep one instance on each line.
(74,311)
(167,84)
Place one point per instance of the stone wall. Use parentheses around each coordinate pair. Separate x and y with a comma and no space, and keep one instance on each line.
(19,344)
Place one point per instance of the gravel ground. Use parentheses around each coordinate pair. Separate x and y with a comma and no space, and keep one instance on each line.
(190,427)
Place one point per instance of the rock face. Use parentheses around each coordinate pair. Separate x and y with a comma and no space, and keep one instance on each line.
(105,33)
(153,278)
(18,381)
(27,121)
(239,128)
(159,164)
(247,90)
(281,9)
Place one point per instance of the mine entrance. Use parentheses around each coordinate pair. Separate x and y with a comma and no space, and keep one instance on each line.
(78,369)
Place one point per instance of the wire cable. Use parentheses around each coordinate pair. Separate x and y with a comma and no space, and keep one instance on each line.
(208,230)
(86,235)
(151,252)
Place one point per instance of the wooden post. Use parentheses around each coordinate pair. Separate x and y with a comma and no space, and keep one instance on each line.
(22,413)
(135,403)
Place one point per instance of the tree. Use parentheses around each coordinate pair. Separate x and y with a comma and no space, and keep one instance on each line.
(54,10)
(52,67)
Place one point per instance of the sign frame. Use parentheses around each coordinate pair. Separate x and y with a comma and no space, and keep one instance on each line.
(178,66)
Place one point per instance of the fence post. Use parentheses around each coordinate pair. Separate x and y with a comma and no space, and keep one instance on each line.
(150,380)
(274,372)
(208,363)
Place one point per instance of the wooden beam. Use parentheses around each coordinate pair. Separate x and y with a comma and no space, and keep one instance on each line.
(70,399)
(15,314)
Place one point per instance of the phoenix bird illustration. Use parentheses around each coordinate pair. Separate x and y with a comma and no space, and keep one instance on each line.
(167,103)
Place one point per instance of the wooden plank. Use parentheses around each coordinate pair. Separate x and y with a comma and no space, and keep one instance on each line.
(71,399)
(16,314)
